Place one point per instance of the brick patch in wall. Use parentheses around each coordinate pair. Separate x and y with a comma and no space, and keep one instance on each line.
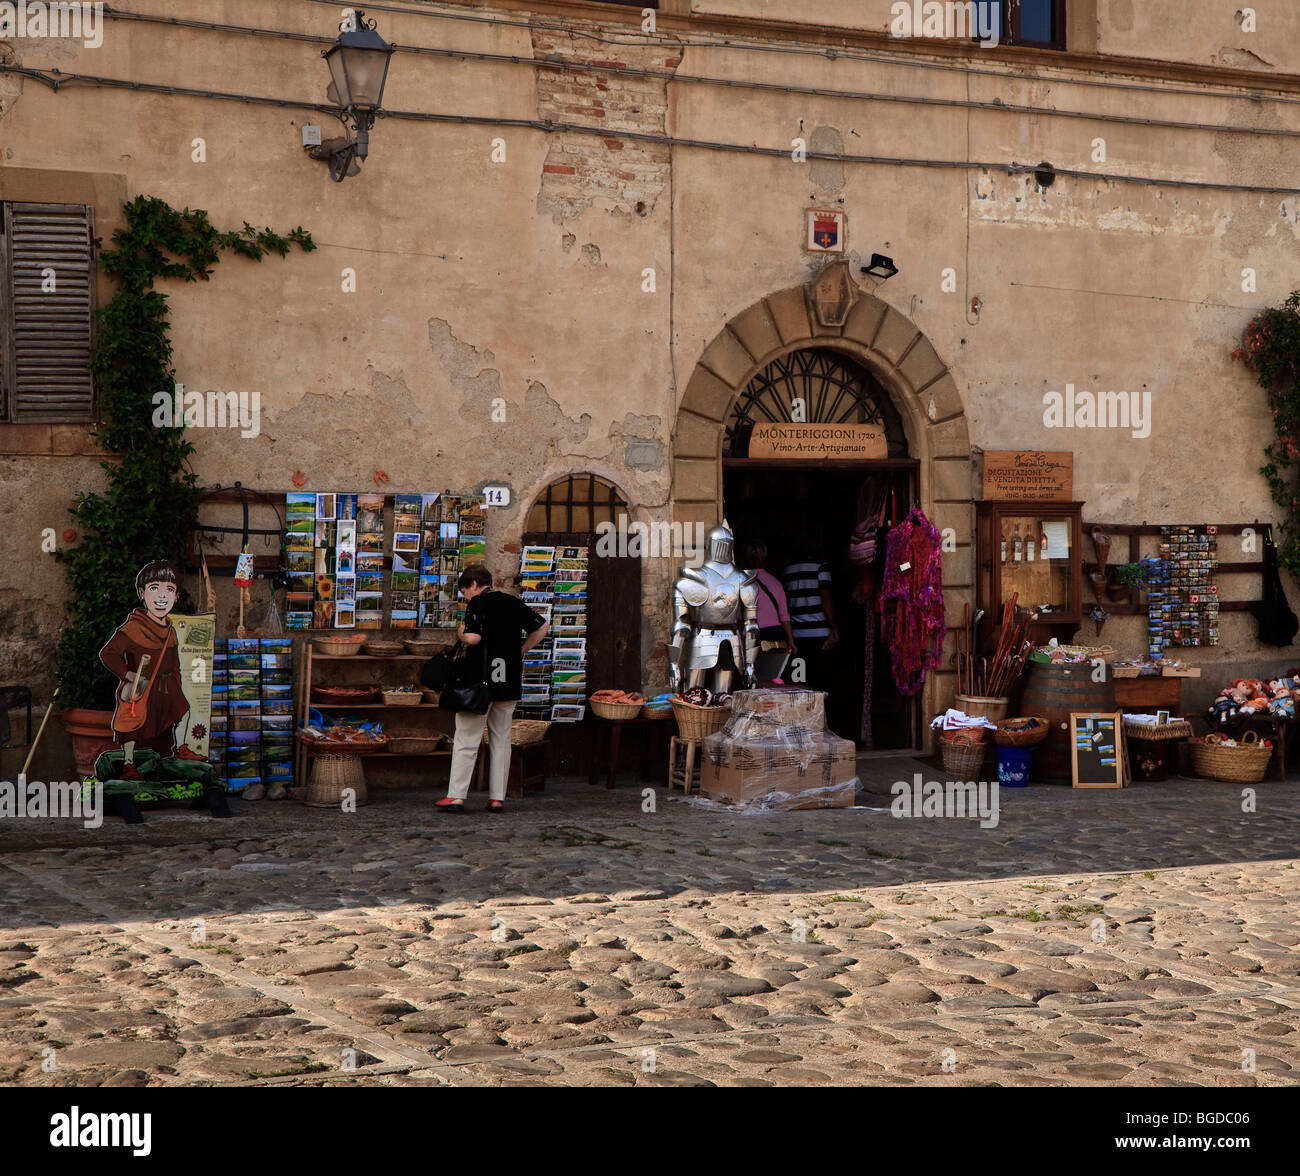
(579,170)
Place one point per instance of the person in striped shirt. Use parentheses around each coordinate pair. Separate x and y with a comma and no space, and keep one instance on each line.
(812,617)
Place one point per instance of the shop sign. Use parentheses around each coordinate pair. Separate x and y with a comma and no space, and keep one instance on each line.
(811,442)
(1026,475)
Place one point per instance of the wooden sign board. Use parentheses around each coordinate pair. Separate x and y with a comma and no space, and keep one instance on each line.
(1097,758)
(1028,476)
(805,442)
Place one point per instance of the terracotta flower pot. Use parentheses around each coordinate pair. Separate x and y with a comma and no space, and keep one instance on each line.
(91,732)
(1118,593)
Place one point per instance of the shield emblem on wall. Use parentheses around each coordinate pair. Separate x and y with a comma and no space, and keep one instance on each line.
(825,231)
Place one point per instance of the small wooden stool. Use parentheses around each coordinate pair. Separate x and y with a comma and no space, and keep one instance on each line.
(527,768)
(688,772)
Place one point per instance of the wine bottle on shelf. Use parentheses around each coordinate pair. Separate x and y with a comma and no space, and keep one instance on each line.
(1042,545)
(1004,547)
(1031,548)
(1017,546)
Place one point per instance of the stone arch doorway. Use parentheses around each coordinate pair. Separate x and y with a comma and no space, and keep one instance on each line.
(897,354)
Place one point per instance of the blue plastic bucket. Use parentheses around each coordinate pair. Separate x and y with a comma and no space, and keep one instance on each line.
(1013,766)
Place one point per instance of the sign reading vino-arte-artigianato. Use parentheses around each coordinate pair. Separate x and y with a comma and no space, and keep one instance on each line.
(818,442)
(1025,475)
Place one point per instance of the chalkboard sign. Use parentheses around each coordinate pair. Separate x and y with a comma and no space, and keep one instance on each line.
(1097,757)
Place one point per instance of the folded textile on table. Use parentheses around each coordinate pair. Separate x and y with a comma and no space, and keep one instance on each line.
(955,720)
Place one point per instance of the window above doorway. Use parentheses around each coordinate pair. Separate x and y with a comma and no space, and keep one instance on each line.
(576,504)
(815,386)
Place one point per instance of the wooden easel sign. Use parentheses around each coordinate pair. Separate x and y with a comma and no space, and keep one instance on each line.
(1097,758)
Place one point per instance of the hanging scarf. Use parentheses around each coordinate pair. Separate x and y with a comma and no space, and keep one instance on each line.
(911,602)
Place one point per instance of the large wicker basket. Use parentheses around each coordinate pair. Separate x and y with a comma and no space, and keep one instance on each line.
(338,645)
(696,722)
(383,647)
(1018,732)
(349,750)
(963,760)
(524,731)
(344,695)
(414,744)
(330,775)
(617,711)
(1244,764)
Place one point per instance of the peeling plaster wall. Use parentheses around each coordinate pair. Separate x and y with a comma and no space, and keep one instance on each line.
(483,284)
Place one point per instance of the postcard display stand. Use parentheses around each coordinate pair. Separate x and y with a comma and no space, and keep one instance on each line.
(554,584)
(251,741)
(336,551)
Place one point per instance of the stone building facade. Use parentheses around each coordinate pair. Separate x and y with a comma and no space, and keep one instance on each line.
(596,214)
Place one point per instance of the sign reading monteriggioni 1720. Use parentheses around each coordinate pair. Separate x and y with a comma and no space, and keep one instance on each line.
(1028,475)
(818,442)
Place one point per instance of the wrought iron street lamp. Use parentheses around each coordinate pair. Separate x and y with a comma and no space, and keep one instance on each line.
(358,63)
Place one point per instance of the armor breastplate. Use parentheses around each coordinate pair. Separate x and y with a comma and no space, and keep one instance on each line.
(721,606)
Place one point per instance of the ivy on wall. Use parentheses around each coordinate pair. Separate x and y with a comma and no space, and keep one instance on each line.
(1271,349)
(150,505)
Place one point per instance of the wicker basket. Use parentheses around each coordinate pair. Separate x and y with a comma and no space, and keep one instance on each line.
(524,731)
(427,646)
(617,711)
(976,706)
(427,695)
(1018,732)
(330,774)
(349,750)
(340,646)
(695,722)
(1244,764)
(1158,732)
(344,695)
(402,698)
(415,744)
(963,761)
(383,647)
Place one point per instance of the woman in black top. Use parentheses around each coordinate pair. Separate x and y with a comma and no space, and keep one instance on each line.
(494,626)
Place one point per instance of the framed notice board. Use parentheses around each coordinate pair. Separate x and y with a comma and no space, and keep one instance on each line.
(1097,758)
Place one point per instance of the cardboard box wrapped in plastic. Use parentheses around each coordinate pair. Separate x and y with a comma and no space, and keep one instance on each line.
(775,753)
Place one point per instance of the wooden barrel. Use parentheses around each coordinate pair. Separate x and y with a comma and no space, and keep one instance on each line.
(1053,691)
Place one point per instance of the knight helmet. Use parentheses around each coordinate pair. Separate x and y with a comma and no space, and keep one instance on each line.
(722,544)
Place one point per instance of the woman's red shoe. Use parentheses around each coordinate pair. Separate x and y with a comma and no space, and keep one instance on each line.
(448,805)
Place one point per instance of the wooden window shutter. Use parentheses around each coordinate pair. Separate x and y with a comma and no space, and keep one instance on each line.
(49,331)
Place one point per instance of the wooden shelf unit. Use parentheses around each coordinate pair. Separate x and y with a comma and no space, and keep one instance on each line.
(443,721)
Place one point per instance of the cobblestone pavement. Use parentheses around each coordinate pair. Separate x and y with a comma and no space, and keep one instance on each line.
(1143,937)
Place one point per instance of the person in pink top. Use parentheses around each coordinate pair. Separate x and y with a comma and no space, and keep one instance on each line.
(773,612)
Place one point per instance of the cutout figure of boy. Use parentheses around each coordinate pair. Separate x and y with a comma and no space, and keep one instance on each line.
(143,656)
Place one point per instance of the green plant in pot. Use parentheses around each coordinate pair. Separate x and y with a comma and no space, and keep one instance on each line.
(1124,578)
(149,506)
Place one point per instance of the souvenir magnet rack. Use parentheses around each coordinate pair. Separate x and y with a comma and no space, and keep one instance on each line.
(1136,533)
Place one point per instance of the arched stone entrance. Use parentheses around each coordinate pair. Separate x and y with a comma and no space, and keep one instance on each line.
(920,385)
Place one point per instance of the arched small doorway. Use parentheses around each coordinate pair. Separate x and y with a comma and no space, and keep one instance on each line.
(804,514)
(566,514)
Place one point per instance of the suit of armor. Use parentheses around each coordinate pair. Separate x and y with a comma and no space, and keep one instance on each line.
(715,621)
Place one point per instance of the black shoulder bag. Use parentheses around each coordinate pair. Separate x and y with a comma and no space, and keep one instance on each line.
(466,689)
(436,672)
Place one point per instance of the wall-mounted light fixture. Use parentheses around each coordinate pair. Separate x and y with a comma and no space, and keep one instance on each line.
(358,63)
(880,266)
